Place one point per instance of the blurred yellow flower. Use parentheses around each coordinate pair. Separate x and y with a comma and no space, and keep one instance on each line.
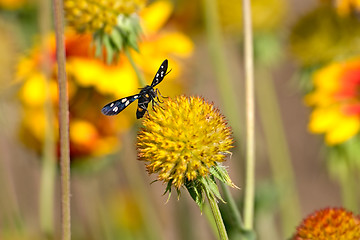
(336,103)
(329,224)
(91,81)
(12,4)
(91,16)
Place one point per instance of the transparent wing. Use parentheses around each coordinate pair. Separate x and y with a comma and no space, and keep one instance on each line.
(117,106)
(160,74)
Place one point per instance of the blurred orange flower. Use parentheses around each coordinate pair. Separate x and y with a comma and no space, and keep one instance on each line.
(91,81)
(329,224)
(336,102)
(344,7)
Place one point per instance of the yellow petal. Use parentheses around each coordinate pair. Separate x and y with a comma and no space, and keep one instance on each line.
(176,43)
(155,16)
(82,132)
(327,78)
(118,81)
(324,119)
(86,71)
(32,92)
(348,126)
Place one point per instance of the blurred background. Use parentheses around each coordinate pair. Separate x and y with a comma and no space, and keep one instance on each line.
(307,70)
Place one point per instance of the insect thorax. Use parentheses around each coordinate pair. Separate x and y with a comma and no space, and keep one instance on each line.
(148,92)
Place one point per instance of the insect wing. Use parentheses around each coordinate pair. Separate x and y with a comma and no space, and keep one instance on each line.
(117,106)
(160,74)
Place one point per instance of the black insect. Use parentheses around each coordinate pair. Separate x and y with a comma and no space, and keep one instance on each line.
(147,94)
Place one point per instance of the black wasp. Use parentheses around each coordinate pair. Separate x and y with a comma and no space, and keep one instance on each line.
(147,94)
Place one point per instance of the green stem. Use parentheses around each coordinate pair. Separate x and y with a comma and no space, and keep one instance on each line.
(132,173)
(220,65)
(49,158)
(206,210)
(217,217)
(63,120)
(349,189)
(139,75)
(232,205)
(279,156)
(250,119)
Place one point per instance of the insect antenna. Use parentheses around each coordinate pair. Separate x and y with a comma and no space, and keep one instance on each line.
(168,72)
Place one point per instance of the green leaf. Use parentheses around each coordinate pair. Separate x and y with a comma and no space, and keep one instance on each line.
(117,39)
(213,188)
(109,49)
(195,191)
(97,39)
(132,40)
(219,171)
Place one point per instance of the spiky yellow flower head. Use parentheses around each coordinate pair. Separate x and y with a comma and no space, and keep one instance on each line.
(91,16)
(329,224)
(183,139)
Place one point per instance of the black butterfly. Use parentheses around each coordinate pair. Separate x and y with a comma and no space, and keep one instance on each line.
(147,94)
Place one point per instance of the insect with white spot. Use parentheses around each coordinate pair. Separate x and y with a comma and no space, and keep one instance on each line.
(147,94)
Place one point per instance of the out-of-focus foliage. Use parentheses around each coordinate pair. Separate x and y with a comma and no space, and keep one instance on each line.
(321,36)
(91,81)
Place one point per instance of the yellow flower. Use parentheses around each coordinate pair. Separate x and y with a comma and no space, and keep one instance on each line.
(183,139)
(12,4)
(329,224)
(336,101)
(91,81)
(92,16)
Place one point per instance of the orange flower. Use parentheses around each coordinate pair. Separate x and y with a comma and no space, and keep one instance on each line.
(336,101)
(91,81)
(344,7)
(329,224)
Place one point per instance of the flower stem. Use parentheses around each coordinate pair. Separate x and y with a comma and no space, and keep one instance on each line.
(232,205)
(63,120)
(348,190)
(140,77)
(220,65)
(250,119)
(278,151)
(49,157)
(217,217)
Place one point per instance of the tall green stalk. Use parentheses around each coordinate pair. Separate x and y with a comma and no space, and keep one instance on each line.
(139,75)
(152,226)
(278,150)
(49,159)
(250,119)
(217,217)
(220,65)
(63,120)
